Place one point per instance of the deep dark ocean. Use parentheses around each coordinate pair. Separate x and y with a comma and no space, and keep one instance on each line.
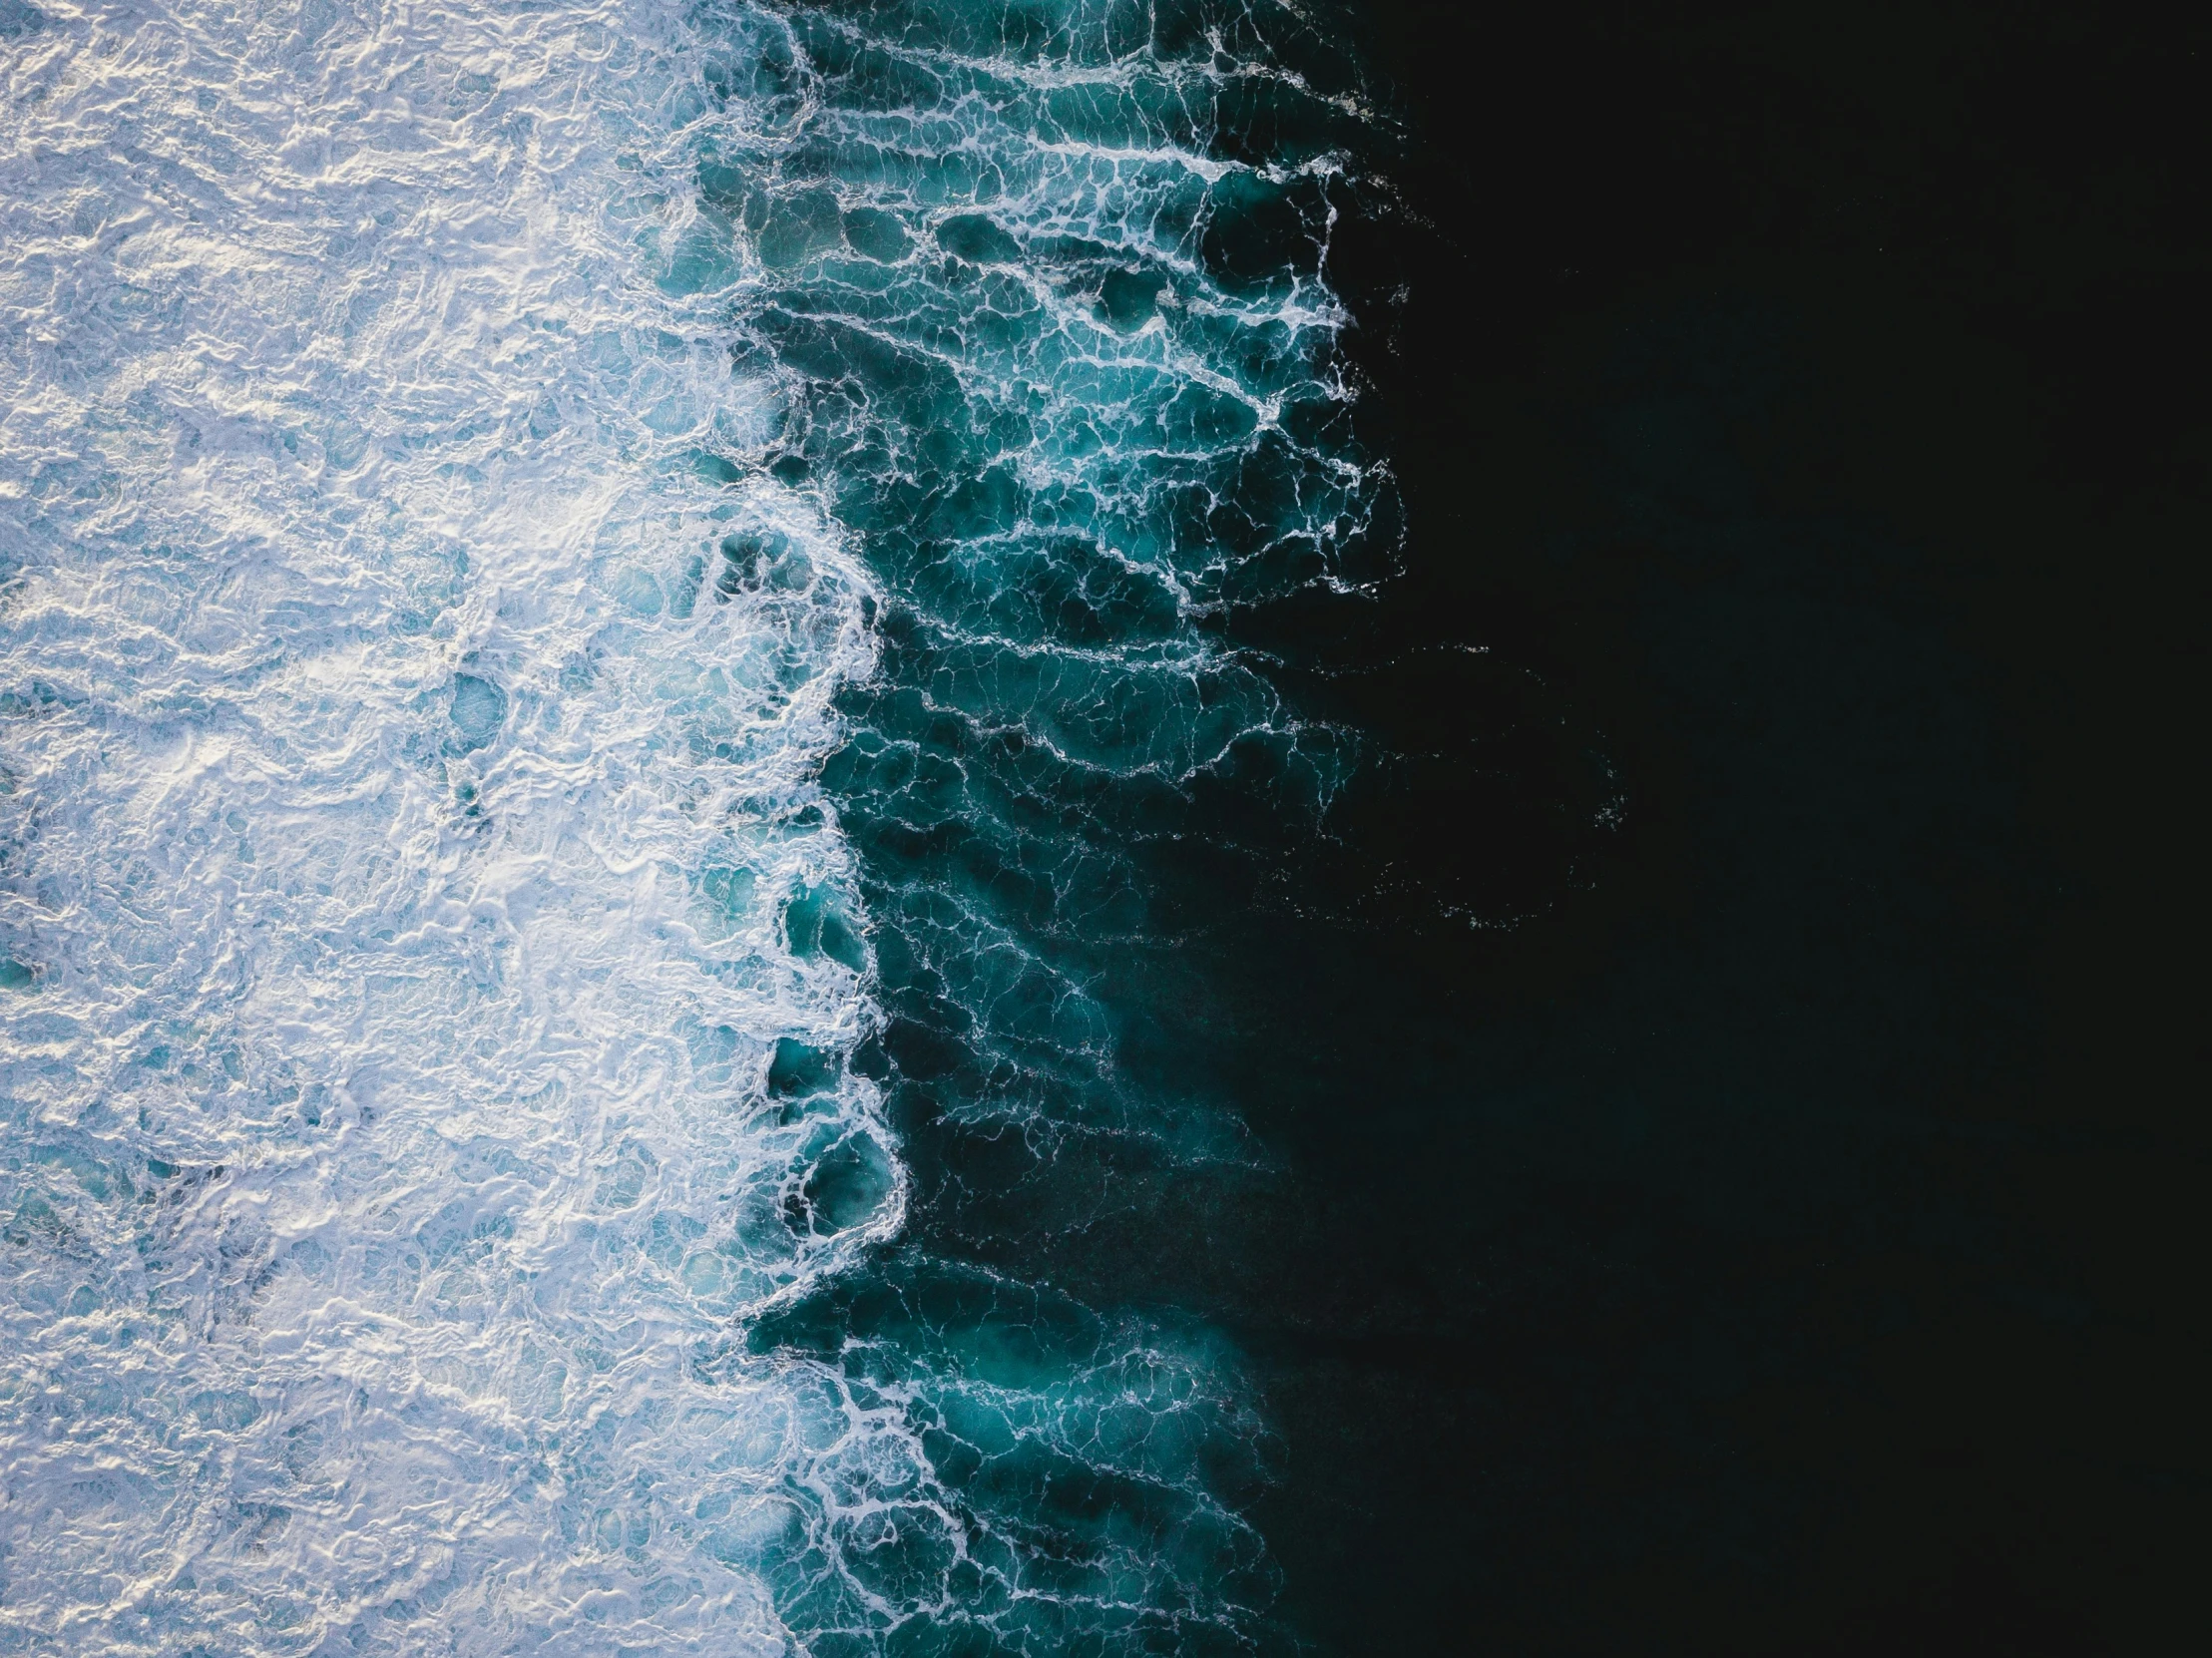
(1779,1229)
(1075,827)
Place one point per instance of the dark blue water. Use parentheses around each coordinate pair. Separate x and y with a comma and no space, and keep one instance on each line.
(1524,933)
(1644,931)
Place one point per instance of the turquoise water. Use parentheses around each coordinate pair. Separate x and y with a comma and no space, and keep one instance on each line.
(602,603)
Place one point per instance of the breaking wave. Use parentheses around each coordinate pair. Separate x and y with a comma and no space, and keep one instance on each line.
(594,599)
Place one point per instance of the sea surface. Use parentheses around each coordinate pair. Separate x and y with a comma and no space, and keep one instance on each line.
(1098,827)
(602,602)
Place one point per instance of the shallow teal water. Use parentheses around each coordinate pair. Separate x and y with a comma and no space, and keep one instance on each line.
(1053,284)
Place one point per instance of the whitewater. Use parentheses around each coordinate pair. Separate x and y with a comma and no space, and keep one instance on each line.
(434,579)
(381,1149)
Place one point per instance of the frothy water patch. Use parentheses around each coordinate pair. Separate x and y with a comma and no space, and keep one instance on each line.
(402,851)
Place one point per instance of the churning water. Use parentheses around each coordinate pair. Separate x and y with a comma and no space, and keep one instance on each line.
(594,595)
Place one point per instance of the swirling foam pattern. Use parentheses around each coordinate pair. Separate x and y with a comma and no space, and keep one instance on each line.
(1044,285)
(490,496)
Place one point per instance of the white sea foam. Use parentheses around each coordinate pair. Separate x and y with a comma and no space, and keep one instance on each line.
(396,843)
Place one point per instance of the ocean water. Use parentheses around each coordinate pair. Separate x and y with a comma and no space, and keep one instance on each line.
(603,606)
